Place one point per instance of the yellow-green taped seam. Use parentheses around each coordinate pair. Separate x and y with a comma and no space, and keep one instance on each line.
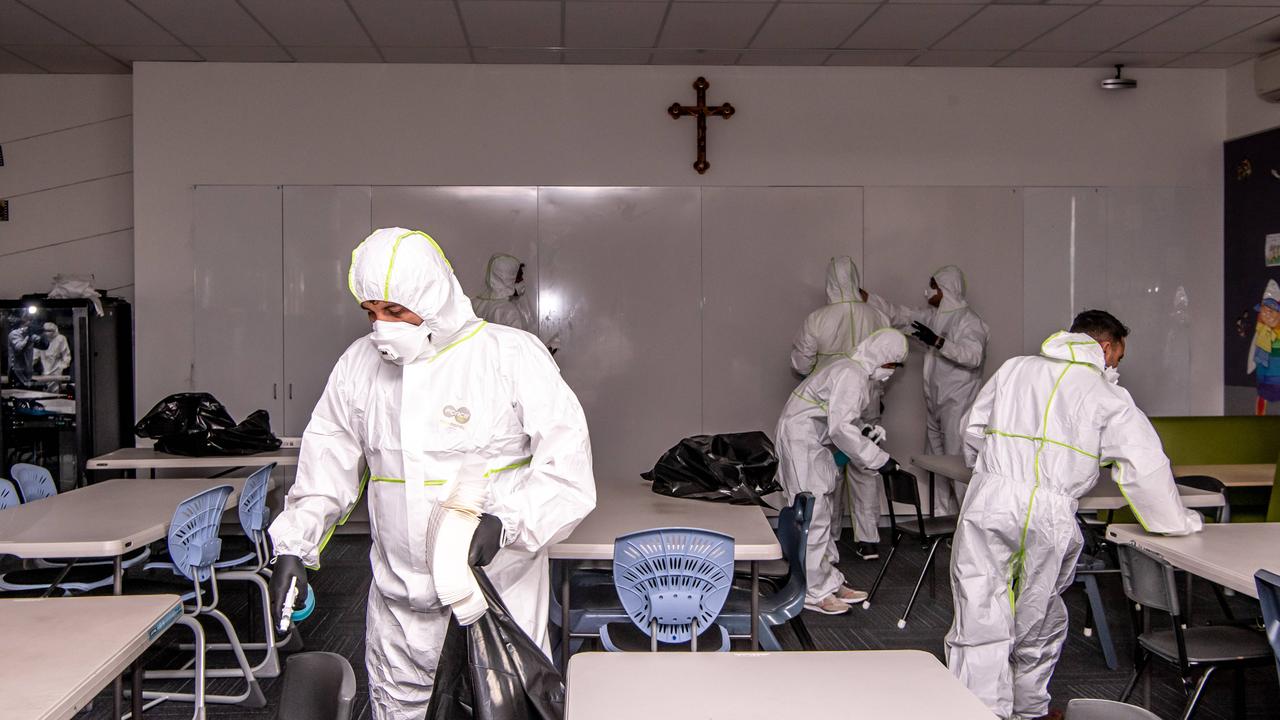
(351,272)
(1001,433)
(400,481)
(1119,471)
(811,401)
(324,541)
(517,464)
(457,342)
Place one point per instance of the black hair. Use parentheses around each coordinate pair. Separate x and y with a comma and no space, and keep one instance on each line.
(1100,325)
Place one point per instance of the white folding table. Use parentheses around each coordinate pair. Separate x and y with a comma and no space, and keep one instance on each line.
(1247,475)
(64,650)
(627,507)
(1227,555)
(152,459)
(729,686)
(1105,495)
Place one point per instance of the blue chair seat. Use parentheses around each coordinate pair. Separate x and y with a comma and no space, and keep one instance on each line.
(78,580)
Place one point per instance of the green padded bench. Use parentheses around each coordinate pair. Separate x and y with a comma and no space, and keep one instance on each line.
(1242,439)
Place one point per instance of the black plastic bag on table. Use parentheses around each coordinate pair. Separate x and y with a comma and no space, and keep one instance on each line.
(197,424)
(737,468)
(184,413)
(492,670)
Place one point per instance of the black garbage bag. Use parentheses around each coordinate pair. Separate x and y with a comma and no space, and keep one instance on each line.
(737,468)
(197,424)
(492,670)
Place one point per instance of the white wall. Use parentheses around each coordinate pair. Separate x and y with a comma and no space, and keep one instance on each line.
(1246,112)
(68,149)
(538,125)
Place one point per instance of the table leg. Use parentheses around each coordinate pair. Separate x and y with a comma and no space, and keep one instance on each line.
(117,688)
(755,605)
(136,704)
(932,510)
(565,637)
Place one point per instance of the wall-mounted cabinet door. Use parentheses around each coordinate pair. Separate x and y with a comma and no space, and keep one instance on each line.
(321,319)
(238,322)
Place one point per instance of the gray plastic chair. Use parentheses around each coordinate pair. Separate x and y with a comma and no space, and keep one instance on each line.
(1084,709)
(1204,649)
(1269,595)
(317,686)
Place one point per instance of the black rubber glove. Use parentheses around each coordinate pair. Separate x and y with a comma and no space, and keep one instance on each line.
(486,541)
(926,335)
(283,569)
(890,467)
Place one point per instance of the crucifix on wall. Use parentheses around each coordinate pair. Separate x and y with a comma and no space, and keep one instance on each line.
(701,112)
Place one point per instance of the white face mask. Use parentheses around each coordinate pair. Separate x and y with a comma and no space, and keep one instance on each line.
(1111,375)
(881,374)
(400,342)
(929,293)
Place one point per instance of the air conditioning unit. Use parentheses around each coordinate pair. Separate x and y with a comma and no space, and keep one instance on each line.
(1266,76)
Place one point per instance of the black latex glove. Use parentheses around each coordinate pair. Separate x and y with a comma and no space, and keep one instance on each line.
(890,467)
(283,569)
(486,541)
(925,335)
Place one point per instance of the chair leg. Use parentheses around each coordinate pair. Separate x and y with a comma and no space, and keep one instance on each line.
(1194,700)
(1239,694)
(933,576)
(1140,660)
(802,633)
(768,641)
(902,622)
(1099,613)
(866,604)
(1222,602)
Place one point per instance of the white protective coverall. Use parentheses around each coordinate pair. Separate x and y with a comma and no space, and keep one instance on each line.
(952,375)
(826,412)
(499,302)
(475,389)
(55,359)
(1040,429)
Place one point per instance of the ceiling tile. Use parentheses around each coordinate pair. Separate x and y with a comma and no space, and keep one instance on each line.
(1257,39)
(724,1)
(905,26)
(712,25)
(426,55)
(358,54)
(1153,2)
(19,24)
(512,23)
(1101,28)
(69,59)
(152,53)
(612,24)
(516,56)
(1197,28)
(104,22)
(243,54)
(1072,2)
(959,58)
(939,2)
(1006,27)
(608,57)
(845,2)
(1268,3)
(313,23)
(411,23)
(810,25)
(1131,59)
(208,22)
(10,63)
(878,58)
(1210,60)
(1046,59)
(784,57)
(695,57)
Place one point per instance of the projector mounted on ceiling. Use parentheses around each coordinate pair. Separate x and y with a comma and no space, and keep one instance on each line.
(1118,82)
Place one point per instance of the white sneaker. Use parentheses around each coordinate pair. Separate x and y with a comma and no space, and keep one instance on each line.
(829,605)
(848,595)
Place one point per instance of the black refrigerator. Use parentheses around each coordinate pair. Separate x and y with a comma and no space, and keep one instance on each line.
(66,376)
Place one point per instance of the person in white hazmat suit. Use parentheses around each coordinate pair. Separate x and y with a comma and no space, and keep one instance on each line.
(829,411)
(829,333)
(503,301)
(1036,437)
(956,342)
(431,389)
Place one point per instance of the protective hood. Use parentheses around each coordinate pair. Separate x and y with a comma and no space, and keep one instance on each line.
(882,346)
(408,267)
(842,280)
(500,277)
(951,280)
(1074,347)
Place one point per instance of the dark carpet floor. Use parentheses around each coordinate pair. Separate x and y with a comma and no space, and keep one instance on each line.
(341,587)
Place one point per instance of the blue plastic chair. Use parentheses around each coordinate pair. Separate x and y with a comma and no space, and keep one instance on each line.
(317,686)
(34,482)
(194,546)
(673,583)
(8,495)
(786,603)
(1269,595)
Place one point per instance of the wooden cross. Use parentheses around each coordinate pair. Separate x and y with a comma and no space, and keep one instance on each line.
(701,111)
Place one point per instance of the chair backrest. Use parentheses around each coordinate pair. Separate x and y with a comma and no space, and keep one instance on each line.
(901,486)
(671,580)
(1088,709)
(1269,595)
(34,482)
(254,513)
(8,495)
(793,537)
(194,544)
(1148,580)
(1209,484)
(317,686)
